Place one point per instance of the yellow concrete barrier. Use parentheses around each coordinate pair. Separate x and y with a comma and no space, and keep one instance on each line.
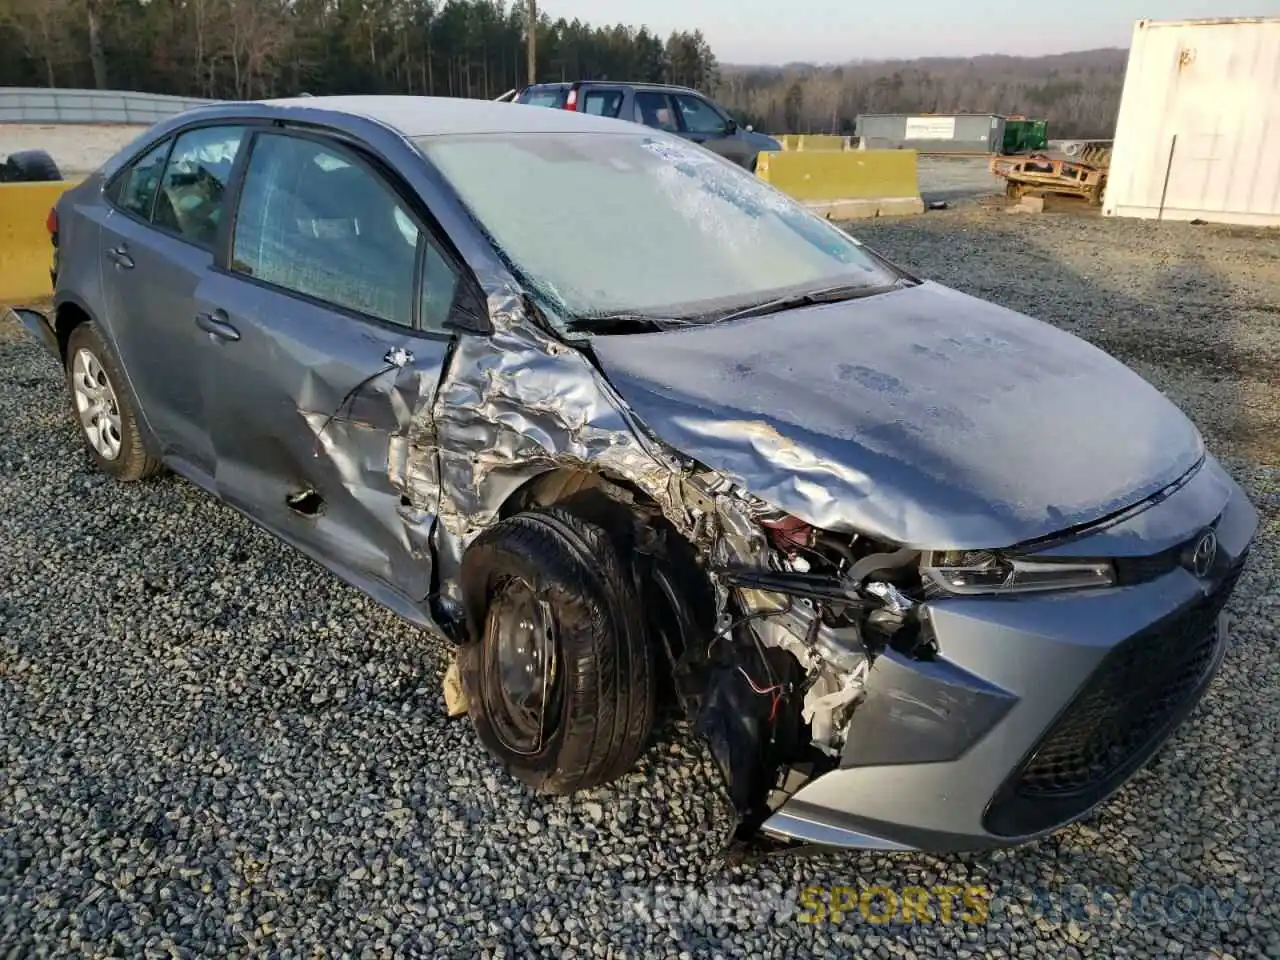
(812,141)
(25,251)
(821,141)
(846,184)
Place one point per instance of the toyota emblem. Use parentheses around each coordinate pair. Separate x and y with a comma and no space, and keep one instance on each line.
(1205,554)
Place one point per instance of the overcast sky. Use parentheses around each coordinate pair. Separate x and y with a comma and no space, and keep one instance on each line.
(776,31)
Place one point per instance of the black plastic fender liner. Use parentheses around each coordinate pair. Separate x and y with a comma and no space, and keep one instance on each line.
(752,734)
(40,327)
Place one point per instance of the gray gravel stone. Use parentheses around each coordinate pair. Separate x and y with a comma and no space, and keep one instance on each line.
(210,747)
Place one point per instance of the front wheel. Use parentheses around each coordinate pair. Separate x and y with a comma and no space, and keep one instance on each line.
(102,407)
(559,675)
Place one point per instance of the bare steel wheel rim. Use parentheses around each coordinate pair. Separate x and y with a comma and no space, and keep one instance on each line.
(96,404)
(522,667)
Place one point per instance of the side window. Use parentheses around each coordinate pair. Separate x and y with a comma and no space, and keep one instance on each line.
(699,116)
(313,220)
(138,183)
(190,202)
(439,283)
(602,103)
(654,109)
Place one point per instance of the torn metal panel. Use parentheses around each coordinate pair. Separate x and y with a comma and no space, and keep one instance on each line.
(306,399)
(515,404)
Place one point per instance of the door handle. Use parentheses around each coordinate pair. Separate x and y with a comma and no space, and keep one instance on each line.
(120,256)
(217,325)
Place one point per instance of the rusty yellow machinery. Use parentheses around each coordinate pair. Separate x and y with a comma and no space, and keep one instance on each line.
(1040,174)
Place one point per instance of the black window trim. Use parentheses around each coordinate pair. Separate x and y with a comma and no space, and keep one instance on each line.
(172,137)
(126,171)
(352,149)
(176,235)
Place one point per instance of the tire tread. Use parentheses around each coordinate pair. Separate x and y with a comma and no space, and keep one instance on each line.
(605,654)
(135,461)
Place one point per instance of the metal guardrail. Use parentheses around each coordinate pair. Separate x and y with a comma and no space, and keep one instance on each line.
(41,105)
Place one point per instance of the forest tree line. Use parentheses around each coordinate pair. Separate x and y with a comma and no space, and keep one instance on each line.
(248,49)
(1078,93)
(244,49)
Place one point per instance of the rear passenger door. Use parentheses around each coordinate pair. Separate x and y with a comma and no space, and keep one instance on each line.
(327,341)
(157,245)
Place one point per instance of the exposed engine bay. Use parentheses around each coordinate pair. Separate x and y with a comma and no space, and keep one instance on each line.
(801,615)
(769,625)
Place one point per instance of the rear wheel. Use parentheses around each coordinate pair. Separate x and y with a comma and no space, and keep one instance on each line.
(559,675)
(102,407)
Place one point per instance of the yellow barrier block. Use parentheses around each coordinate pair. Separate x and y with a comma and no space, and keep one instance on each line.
(789,141)
(821,141)
(846,184)
(25,251)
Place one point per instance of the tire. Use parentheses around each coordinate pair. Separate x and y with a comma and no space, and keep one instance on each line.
(595,682)
(30,166)
(130,461)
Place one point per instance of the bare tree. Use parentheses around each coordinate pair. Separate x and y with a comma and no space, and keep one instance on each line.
(251,37)
(97,55)
(42,27)
(1078,93)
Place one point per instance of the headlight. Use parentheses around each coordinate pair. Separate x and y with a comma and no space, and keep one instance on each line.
(978,571)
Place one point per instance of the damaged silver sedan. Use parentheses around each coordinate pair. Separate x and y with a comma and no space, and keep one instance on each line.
(630,426)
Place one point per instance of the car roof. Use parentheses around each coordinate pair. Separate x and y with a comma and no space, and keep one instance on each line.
(380,119)
(634,84)
(421,116)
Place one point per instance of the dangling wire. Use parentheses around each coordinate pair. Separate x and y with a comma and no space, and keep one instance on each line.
(395,360)
(757,688)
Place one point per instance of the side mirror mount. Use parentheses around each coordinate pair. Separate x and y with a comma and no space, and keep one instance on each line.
(469,312)
(730,127)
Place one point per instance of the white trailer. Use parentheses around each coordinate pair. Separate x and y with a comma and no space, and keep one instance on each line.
(1198,135)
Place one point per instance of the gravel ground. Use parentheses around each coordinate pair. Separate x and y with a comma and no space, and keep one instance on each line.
(956,179)
(208,746)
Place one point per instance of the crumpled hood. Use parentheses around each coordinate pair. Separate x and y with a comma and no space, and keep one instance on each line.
(922,416)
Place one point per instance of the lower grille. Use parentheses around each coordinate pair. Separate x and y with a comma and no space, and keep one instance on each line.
(1127,707)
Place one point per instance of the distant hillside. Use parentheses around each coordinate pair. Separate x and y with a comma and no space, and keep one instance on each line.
(1078,93)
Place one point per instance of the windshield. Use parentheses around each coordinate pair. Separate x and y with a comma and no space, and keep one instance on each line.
(643,224)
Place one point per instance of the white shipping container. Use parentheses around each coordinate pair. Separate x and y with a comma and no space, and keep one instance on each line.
(1198,135)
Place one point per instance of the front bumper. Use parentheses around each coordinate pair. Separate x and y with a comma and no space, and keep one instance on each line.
(1039,706)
